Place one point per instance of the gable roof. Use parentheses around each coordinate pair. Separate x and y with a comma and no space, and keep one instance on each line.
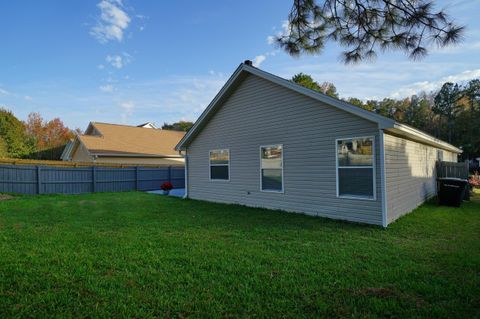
(245,69)
(124,140)
(148,125)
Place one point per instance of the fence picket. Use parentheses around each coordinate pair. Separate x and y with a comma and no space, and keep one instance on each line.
(452,169)
(25,179)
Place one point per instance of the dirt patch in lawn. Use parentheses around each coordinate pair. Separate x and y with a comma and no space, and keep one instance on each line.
(5,197)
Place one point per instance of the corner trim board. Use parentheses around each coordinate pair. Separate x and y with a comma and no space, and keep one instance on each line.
(383,179)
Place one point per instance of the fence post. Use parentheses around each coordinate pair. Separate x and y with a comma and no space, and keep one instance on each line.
(136,178)
(94,179)
(39,180)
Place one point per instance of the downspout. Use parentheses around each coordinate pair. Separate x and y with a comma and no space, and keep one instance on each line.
(186,174)
(382,178)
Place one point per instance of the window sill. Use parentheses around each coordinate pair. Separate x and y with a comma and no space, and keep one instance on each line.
(357,197)
(271,191)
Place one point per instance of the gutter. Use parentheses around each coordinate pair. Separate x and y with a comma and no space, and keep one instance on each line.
(402,129)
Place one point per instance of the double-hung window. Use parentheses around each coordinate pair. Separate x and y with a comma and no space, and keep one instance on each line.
(220,165)
(355,167)
(271,168)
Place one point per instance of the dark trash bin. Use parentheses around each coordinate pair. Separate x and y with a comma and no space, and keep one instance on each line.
(451,191)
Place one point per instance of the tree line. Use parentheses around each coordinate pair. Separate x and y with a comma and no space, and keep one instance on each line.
(452,113)
(35,138)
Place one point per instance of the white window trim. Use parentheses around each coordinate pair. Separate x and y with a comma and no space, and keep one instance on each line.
(260,171)
(210,165)
(374,176)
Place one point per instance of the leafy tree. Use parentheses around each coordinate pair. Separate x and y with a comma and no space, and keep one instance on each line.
(418,113)
(364,27)
(183,126)
(467,127)
(371,105)
(12,133)
(3,148)
(329,89)
(472,93)
(386,107)
(445,104)
(356,102)
(50,136)
(308,82)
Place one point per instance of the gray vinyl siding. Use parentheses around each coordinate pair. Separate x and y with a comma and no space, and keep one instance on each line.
(409,174)
(260,112)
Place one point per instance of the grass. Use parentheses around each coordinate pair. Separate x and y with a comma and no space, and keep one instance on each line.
(141,255)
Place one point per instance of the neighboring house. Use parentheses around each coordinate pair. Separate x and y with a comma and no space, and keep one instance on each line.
(267,142)
(148,125)
(123,144)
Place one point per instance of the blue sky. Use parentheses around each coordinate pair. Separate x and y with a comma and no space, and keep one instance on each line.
(137,61)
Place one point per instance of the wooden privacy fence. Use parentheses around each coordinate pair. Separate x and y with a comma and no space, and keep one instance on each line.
(24,179)
(21,161)
(452,169)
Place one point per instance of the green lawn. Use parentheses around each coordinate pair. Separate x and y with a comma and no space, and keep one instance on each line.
(140,255)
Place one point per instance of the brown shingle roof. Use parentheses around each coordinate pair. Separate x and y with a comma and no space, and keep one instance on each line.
(127,139)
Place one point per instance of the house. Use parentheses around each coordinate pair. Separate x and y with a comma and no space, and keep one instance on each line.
(267,142)
(148,125)
(124,144)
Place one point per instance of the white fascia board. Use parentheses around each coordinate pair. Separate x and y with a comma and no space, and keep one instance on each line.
(408,131)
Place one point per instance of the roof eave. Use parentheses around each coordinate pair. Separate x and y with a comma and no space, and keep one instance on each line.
(423,137)
(107,154)
(66,154)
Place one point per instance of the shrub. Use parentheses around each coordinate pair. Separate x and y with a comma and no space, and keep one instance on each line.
(474,180)
(166,186)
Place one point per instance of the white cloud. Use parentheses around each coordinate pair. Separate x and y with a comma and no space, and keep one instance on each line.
(258,60)
(119,61)
(380,79)
(171,98)
(101,66)
(28,97)
(4,92)
(429,86)
(115,61)
(284,32)
(128,107)
(107,88)
(112,23)
(464,47)
(141,21)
